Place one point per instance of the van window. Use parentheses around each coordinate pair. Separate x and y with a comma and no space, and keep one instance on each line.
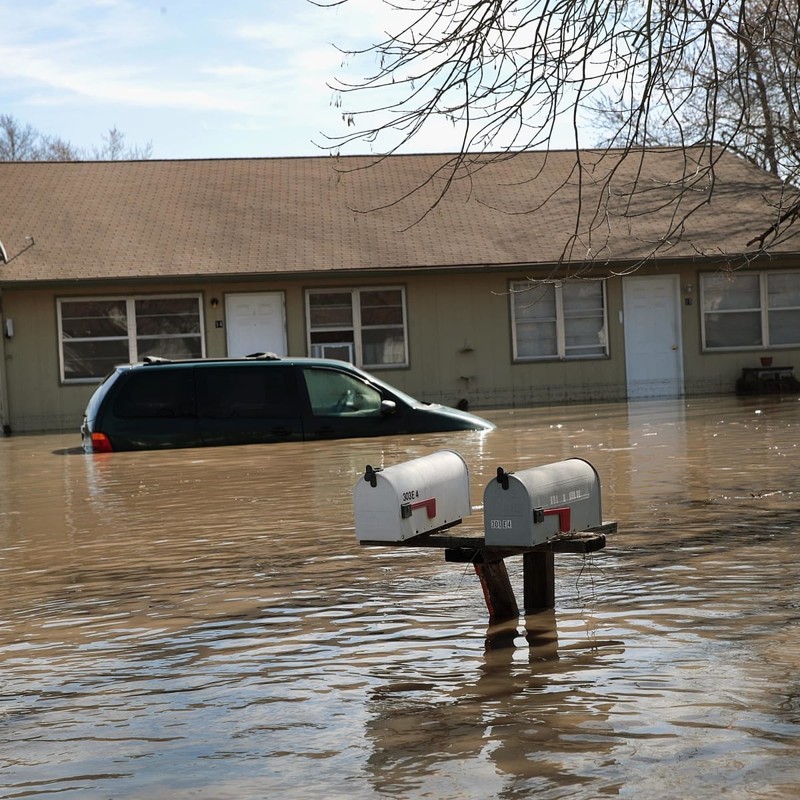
(334,393)
(156,393)
(246,392)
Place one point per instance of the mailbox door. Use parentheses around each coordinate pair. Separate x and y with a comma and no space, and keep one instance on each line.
(506,514)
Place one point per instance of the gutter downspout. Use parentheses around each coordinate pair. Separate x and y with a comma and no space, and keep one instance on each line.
(5,420)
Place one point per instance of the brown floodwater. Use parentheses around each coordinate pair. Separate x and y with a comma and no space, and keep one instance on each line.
(204,624)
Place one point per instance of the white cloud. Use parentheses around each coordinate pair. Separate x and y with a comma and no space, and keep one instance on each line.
(132,85)
(239,72)
(242,67)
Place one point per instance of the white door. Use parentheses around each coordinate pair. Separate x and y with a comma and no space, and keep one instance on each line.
(653,347)
(256,323)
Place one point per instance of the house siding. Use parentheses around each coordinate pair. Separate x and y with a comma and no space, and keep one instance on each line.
(459,337)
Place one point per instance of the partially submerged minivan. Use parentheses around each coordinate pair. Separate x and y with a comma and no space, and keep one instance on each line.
(162,403)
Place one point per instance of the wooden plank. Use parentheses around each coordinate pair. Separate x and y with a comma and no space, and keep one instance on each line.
(587,541)
(472,555)
(575,543)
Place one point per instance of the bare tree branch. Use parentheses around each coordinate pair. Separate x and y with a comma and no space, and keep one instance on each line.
(505,73)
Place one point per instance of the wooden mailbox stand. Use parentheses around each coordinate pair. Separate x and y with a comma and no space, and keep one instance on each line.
(538,564)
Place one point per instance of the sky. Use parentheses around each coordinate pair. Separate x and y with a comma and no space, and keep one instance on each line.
(193,78)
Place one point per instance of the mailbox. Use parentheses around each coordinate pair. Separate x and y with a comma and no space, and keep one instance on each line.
(523,509)
(423,495)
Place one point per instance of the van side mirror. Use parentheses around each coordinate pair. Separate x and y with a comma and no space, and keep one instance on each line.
(388,407)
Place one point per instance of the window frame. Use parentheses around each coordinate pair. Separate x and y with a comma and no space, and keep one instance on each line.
(357,328)
(515,286)
(130,313)
(763,309)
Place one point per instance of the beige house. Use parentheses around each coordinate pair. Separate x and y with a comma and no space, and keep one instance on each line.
(503,291)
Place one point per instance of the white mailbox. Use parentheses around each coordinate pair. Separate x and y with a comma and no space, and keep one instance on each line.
(523,509)
(419,496)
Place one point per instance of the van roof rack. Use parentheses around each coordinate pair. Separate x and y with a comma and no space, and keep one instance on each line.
(153,360)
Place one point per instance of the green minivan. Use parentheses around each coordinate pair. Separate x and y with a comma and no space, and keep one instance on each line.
(162,403)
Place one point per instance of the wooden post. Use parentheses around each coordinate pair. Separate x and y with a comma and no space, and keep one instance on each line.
(497,590)
(539,581)
(539,573)
(541,634)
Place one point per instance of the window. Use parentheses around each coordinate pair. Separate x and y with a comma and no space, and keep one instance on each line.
(257,392)
(98,333)
(335,394)
(750,310)
(564,320)
(157,394)
(366,326)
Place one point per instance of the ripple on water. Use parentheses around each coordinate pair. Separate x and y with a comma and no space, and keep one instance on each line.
(204,624)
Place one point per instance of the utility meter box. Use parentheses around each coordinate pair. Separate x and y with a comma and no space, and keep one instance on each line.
(423,495)
(524,509)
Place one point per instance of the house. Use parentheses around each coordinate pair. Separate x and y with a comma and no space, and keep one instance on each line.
(502,291)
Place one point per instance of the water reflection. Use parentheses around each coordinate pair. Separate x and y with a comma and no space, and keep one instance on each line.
(203,623)
(507,725)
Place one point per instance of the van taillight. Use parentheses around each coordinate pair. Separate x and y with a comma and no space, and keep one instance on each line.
(101,443)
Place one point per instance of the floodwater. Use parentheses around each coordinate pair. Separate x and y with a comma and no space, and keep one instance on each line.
(204,623)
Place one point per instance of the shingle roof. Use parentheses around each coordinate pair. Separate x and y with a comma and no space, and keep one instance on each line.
(132,219)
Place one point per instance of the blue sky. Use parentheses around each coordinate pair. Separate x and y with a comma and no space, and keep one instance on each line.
(197,78)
